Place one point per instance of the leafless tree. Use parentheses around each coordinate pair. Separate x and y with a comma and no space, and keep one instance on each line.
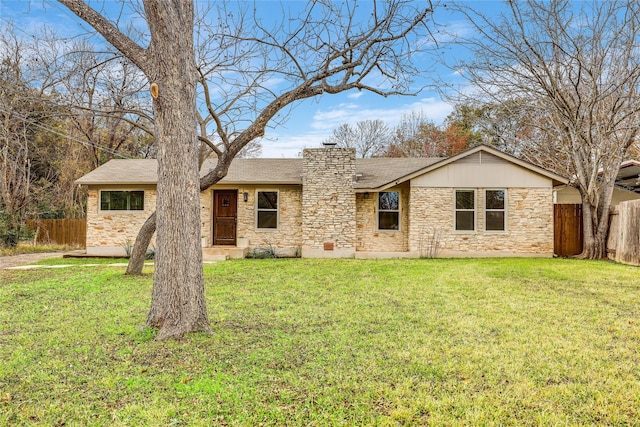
(15,178)
(107,100)
(75,108)
(575,67)
(240,76)
(18,107)
(367,137)
(512,127)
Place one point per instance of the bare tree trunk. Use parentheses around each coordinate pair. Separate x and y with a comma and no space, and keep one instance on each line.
(595,229)
(177,303)
(136,259)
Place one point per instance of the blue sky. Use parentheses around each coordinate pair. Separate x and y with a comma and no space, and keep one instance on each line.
(310,121)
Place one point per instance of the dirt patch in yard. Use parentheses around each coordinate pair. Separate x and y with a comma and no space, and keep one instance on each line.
(23,259)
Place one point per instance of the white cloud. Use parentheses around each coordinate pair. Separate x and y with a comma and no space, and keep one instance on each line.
(355,95)
(288,146)
(327,120)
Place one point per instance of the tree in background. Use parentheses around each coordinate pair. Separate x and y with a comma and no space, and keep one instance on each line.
(417,136)
(80,107)
(107,100)
(28,149)
(219,72)
(368,137)
(510,127)
(574,69)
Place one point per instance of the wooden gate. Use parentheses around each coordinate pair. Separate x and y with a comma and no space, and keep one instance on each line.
(567,230)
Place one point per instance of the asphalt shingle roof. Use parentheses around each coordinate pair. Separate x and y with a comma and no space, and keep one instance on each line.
(370,173)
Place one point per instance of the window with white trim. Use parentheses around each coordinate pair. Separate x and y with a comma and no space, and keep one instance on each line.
(267,210)
(121,200)
(465,210)
(495,212)
(389,210)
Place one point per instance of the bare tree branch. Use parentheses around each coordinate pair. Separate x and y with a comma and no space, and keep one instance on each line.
(110,32)
(575,72)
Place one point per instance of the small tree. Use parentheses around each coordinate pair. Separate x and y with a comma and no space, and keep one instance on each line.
(575,70)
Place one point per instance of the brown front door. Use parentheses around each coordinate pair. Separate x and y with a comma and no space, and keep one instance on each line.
(225,214)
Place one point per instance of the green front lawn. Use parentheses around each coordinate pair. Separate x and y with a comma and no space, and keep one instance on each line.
(325,342)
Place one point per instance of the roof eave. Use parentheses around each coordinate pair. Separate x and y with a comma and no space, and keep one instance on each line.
(223,182)
(81,182)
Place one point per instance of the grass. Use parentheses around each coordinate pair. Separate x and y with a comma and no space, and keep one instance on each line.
(83,261)
(326,342)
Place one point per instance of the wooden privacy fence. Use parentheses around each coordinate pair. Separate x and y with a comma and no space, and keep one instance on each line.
(624,233)
(72,232)
(567,229)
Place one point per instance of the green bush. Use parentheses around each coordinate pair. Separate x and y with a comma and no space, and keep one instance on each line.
(8,237)
(263,253)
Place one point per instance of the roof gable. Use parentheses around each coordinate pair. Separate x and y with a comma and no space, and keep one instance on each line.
(481,154)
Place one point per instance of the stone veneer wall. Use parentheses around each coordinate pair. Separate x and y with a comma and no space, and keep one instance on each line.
(529,224)
(369,238)
(108,232)
(328,202)
(287,238)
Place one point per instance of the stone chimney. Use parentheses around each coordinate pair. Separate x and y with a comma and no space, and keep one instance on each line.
(328,202)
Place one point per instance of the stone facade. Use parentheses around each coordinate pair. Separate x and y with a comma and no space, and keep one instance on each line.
(328,202)
(109,232)
(325,217)
(368,237)
(529,224)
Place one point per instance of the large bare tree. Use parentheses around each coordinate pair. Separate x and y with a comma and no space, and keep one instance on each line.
(575,69)
(231,74)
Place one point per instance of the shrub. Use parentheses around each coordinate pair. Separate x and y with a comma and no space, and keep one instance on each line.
(263,253)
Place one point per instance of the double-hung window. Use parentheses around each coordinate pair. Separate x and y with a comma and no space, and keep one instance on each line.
(389,210)
(465,210)
(267,210)
(495,210)
(121,200)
